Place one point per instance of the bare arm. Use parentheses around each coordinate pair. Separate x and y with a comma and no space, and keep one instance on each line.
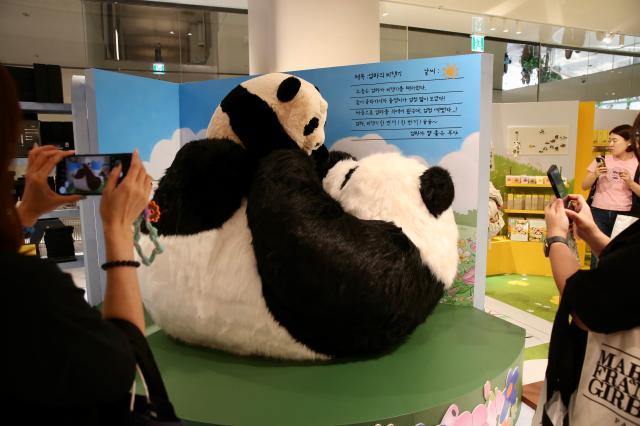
(589,180)
(563,262)
(119,208)
(633,186)
(593,176)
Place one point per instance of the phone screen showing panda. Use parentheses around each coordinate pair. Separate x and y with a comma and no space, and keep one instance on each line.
(87,174)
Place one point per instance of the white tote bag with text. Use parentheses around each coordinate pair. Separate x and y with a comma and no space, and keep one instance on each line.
(609,389)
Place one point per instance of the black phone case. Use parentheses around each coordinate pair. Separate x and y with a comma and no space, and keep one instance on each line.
(61,169)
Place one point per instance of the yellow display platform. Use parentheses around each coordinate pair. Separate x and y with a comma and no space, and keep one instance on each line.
(521,257)
(517,257)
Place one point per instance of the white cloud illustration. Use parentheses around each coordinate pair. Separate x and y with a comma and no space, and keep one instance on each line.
(371,143)
(463,166)
(165,150)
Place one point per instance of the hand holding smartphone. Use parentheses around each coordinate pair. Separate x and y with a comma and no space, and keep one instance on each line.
(601,166)
(87,174)
(558,186)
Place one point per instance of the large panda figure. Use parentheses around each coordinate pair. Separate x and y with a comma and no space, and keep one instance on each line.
(350,266)
(313,269)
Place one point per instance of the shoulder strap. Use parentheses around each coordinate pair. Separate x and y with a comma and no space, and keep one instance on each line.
(147,364)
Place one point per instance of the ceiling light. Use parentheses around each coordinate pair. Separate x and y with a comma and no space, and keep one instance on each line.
(492,24)
(172,32)
(189,34)
(518,27)
(383,10)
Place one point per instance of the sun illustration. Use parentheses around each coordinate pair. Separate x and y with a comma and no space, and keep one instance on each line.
(450,71)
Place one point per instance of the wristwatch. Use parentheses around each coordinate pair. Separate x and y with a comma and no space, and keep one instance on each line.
(551,240)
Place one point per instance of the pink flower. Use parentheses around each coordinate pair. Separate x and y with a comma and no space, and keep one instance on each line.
(469,277)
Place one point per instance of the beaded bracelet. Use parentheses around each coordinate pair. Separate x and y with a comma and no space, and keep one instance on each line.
(117,263)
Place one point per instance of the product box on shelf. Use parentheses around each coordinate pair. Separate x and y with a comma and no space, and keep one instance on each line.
(518,229)
(518,201)
(540,180)
(537,229)
(528,202)
(511,179)
(510,201)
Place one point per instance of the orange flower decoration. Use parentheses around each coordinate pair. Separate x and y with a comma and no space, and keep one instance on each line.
(154,212)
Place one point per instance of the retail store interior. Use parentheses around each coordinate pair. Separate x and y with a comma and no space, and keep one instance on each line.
(564,73)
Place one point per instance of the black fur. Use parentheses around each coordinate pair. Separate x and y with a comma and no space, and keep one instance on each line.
(348,176)
(311,126)
(251,119)
(288,89)
(340,285)
(203,187)
(436,188)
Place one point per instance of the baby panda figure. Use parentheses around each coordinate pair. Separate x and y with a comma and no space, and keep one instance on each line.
(350,266)
(209,178)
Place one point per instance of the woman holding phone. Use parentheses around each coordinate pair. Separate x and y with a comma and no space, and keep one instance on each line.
(615,178)
(65,362)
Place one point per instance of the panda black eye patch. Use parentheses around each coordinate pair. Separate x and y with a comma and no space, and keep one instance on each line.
(311,126)
(347,177)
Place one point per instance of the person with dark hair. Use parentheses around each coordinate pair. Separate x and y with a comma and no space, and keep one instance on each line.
(65,363)
(614,182)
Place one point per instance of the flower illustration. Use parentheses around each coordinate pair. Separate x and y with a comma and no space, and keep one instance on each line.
(510,386)
(469,277)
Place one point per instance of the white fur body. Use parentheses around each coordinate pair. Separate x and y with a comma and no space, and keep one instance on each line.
(205,290)
(386,187)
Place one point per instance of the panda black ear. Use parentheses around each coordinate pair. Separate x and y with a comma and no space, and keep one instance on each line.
(288,89)
(436,188)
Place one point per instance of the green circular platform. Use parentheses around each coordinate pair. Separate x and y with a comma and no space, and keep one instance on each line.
(446,360)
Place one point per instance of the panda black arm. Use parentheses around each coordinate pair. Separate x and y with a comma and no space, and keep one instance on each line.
(203,187)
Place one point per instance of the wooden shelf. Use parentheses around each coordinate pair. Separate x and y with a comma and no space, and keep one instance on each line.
(528,185)
(514,211)
(43,107)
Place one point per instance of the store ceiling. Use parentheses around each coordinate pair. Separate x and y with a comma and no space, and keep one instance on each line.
(611,15)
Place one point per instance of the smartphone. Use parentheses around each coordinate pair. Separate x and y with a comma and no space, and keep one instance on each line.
(600,161)
(558,186)
(87,174)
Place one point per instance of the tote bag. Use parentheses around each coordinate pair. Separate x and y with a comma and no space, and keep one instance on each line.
(609,388)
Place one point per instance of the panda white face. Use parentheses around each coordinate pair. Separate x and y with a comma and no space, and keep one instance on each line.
(403,191)
(290,103)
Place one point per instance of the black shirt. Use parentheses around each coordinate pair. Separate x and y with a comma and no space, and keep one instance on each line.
(63,362)
(605,299)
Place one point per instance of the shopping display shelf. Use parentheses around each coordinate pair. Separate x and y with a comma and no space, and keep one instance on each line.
(517,211)
(528,185)
(43,107)
(446,360)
